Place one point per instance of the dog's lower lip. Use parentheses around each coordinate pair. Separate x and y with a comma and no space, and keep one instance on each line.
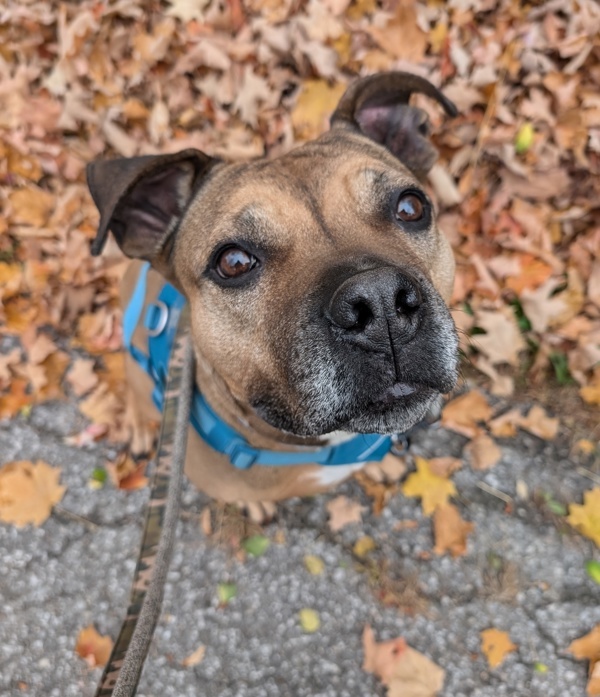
(398,390)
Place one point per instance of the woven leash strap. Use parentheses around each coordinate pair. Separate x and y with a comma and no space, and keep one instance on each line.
(122,673)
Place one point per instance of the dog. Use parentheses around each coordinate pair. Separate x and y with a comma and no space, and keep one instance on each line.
(317,285)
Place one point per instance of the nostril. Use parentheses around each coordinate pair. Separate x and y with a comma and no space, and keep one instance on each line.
(363,315)
(407,300)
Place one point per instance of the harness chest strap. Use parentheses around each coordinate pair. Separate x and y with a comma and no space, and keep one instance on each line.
(160,321)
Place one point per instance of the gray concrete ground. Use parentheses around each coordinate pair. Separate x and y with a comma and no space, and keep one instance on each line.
(524,572)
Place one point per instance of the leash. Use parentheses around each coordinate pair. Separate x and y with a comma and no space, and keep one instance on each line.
(122,672)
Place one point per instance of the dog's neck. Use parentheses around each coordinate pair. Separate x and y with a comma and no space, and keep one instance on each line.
(255,430)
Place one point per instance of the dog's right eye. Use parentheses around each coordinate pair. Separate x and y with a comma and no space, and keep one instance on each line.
(233,262)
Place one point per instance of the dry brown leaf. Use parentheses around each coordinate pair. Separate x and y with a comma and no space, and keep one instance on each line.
(586,517)
(126,473)
(450,530)
(502,341)
(406,672)
(445,466)
(505,425)
(539,423)
(195,657)
(101,407)
(31,206)
(401,37)
(93,647)
(496,645)
(464,413)
(28,492)
(483,452)
(343,511)
(82,377)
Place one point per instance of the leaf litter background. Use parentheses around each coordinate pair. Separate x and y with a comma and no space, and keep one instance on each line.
(517,187)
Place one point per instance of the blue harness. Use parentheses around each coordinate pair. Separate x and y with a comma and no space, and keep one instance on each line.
(161,323)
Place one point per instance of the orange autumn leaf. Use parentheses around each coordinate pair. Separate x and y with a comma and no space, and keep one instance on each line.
(314,106)
(127,474)
(81,376)
(93,647)
(432,489)
(405,672)
(450,530)
(464,413)
(539,423)
(587,648)
(483,452)
(343,511)
(28,492)
(15,399)
(496,645)
(586,518)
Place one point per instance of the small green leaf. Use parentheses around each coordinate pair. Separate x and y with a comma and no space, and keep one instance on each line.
(524,138)
(540,668)
(553,505)
(314,565)
(25,411)
(256,545)
(561,368)
(593,570)
(226,592)
(99,474)
(309,620)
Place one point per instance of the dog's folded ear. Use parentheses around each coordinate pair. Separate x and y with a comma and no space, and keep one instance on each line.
(377,106)
(142,199)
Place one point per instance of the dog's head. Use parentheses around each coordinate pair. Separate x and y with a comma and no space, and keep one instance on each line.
(316,280)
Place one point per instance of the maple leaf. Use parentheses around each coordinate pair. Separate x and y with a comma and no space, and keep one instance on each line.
(465,412)
(93,647)
(496,645)
(433,490)
(126,473)
(586,517)
(502,341)
(343,511)
(450,530)
(28,492)
(406,672)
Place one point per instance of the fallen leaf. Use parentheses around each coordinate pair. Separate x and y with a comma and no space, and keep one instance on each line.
(314,565)
(406,672)
(539,423)
(226,592)
(31,206)
(343,511)
(82,377)
(586,518)
(433,490)
(445,466)
(256,545)
(483,452)
(496,645)
(93,647)
(316,103)
(309,620)
(505,425)
(28,492)
(363,546)
(450,530)
(592,568)
(101,407)
(194,658)
(502,341)
(587,648)
(126,473)
(465,412)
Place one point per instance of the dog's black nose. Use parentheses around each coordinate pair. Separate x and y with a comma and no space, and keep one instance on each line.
(377,309)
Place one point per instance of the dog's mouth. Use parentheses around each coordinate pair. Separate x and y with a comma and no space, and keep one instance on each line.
(400,395)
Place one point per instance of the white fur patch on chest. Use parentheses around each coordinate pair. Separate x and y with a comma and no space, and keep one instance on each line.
(334,474)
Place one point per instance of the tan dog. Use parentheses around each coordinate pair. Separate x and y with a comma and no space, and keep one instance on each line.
(316,284)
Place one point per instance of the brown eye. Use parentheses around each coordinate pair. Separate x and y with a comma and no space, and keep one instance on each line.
(410,208)
(233,262)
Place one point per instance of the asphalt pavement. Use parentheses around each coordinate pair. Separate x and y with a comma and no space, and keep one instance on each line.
(524,572)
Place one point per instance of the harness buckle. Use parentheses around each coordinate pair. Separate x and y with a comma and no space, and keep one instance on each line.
(157,317)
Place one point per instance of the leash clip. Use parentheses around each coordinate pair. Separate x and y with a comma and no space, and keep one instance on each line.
(400,444)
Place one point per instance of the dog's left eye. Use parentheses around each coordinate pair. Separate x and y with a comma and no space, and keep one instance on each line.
(233,262)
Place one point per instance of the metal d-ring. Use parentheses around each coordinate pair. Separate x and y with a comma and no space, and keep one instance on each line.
(163,318)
